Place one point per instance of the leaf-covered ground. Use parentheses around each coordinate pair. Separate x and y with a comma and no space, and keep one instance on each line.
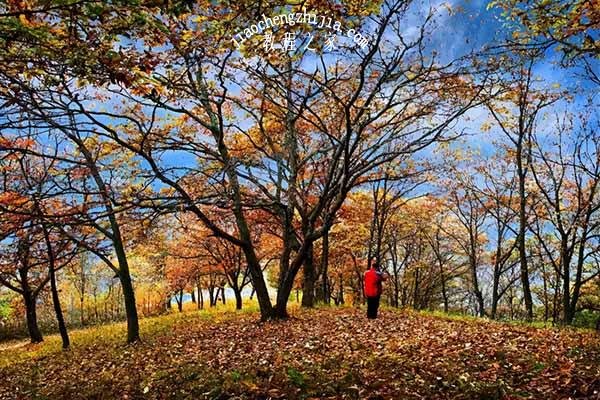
(323,353)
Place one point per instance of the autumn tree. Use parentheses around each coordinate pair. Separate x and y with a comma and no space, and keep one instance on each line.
(328,129)
(516,114)
(572,26)
(567,179)
(497,194)
(34,250)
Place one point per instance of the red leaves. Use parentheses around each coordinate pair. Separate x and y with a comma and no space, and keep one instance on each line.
(16,144)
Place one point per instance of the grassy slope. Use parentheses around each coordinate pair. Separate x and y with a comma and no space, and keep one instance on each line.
(322,353)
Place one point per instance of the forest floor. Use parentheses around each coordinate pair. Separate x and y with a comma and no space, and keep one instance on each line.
(333,353)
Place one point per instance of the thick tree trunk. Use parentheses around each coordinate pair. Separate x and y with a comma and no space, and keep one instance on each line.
(283,294)
(238,300)
(259,285)
(286,282)
(193,296)
(133,328)
(31,315)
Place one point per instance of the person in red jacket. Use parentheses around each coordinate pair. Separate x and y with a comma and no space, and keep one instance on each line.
(373,288)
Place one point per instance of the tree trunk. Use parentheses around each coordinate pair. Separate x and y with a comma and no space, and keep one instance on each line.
(308,291)
(495,288)
(200,298)
(555,301)
(444,292)
(31,315)
(546,301)
(283,293)
(497,272)
(62,328)
(324,268)
(133,328)
(60,319)
(286,283)
(238,299)
(96,317)
(178,300)
(341,292)
(521,237)
(259,287)
(579,271)
(416,290)
(477,292)
(81,313)
(396,291)
(211,295)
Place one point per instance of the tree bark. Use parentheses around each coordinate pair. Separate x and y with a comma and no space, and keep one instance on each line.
(200,297)
(179,300)
(444,292)
(133,328)
(521,236)
(211,295)
(324,268)
(62,328)
(308,291)
(238,299)
(31,315)
(60,319)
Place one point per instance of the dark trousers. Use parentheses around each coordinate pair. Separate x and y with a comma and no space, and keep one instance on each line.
(372,306)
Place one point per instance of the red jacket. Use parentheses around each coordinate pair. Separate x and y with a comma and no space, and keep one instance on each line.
(372,283)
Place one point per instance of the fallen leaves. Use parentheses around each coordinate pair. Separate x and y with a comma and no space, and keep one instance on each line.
(324,353)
